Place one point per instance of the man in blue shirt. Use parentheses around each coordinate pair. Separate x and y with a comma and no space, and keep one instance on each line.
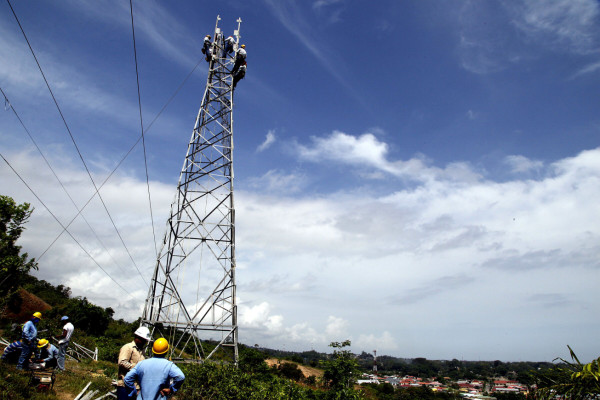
(13,351)
(29,338)
(47,353)
(157,376)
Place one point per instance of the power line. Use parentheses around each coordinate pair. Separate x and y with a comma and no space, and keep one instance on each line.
(73,139)
(128,152)
(137,78)
(57,220)
(58,179)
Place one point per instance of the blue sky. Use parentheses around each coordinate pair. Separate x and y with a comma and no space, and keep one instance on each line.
(418,177)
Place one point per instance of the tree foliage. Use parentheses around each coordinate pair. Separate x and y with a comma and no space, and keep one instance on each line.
(340,372)
(570,380)
(13,265)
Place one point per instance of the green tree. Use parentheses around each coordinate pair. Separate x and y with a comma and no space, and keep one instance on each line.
(570,380)
(340,372)
(14,266)
(291,371)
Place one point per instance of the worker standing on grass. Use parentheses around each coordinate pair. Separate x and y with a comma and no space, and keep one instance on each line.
(63,341)
(157,376)
(12,352)
(240,57)
(129,356)
(47,353)
(29,338)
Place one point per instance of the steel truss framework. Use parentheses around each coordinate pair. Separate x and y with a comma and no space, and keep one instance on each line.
(192,295)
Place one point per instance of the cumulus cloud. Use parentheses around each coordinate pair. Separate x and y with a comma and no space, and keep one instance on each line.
(367,151)
(313,266)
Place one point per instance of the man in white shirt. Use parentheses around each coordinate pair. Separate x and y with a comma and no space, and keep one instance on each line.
(228,48)
(240,57)
(63,341)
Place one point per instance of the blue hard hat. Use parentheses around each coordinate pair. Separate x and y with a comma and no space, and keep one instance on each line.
(64,318)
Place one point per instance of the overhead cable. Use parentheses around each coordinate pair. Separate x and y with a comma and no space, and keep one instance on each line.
(128,152)
(137,78)
(59,181)
(73,140)
(69,233)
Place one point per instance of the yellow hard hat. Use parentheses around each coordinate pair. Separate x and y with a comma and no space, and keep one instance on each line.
(42,343)
(243,46)
(161,346)
(37,314)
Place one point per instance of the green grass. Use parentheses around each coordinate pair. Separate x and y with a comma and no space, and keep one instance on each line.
(14,384)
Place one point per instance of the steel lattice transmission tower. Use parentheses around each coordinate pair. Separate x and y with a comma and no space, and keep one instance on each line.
(192,296)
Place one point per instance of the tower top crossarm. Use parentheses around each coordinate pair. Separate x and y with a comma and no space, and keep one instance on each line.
(236,33)
(199,316)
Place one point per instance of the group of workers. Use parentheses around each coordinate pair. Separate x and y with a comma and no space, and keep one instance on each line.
(239,67)
(153,378)
(22,350)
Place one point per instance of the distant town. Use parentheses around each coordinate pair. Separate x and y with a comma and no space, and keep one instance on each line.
(472,389)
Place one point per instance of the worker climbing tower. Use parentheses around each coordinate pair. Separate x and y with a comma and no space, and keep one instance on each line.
(192,296)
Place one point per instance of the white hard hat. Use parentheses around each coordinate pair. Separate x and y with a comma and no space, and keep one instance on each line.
(142,332)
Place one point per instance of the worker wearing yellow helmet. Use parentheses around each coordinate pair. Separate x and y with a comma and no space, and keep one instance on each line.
(29,338)
(240,57)
(154,375)
(47,353)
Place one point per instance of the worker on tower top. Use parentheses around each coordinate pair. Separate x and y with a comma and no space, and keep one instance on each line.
(240,57)
(206,48)
(239,74)
(228,49)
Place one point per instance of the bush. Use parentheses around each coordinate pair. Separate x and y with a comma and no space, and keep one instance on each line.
(290,371)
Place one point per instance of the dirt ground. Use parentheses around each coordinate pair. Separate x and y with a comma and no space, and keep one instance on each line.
(29,304)
(307,371)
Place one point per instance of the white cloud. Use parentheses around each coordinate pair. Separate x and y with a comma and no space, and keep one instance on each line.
(519,163)
(565,25)
(496,36)
(291,17)
(383,343)
(588,69)
(368,152)
(318,4)
(269,140)
(153,24)
(337,328)
(315,265)
(276,181)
